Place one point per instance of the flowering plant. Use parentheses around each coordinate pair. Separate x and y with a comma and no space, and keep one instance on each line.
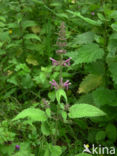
(61,43)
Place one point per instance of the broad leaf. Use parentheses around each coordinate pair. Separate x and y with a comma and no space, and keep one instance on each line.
(60,93)
(84,110)
(87,54)
(89,83)
(104,96)
(31,60)
(33,114)
(112,63)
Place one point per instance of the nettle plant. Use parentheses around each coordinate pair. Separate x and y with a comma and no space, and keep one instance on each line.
(58,113)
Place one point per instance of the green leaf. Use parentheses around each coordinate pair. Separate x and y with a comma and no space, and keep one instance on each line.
(87,54)
(31,60)
(89,83)
(26,81)
(112,64)
(114,26)
(33,114)
(2,19)
(12,80)
(2,24)
(55,150)
(96,68)
(32,36)
(113,14)
(84,110)
(86,98)
(52,95)
(104,96)
(100,136)
(2,52)
(101,17)
(45,128)
(25,150)
(22,66)
(88,20)
(84,38)
(111,132)
(60,93)
(62,15)
(112,45)
(28,23)
(48,112)
(64,115)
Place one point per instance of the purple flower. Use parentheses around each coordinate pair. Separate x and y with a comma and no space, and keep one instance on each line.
(63,63)
(17,147)
(64,84)
(54,84)
(61,84)
(92,13)
(67,62)
(61,44)
(54,62)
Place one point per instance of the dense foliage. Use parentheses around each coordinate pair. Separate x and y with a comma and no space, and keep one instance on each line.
(35,119)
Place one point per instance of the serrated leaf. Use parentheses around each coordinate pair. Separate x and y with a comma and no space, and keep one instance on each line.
(60,93)
(104,96)
(89,83)
(97,68)
(112,46)
(88,20)
(84,38)
(86,98)
(32,36)
(86,54)
(32,114)
(112,64)
(84,110)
